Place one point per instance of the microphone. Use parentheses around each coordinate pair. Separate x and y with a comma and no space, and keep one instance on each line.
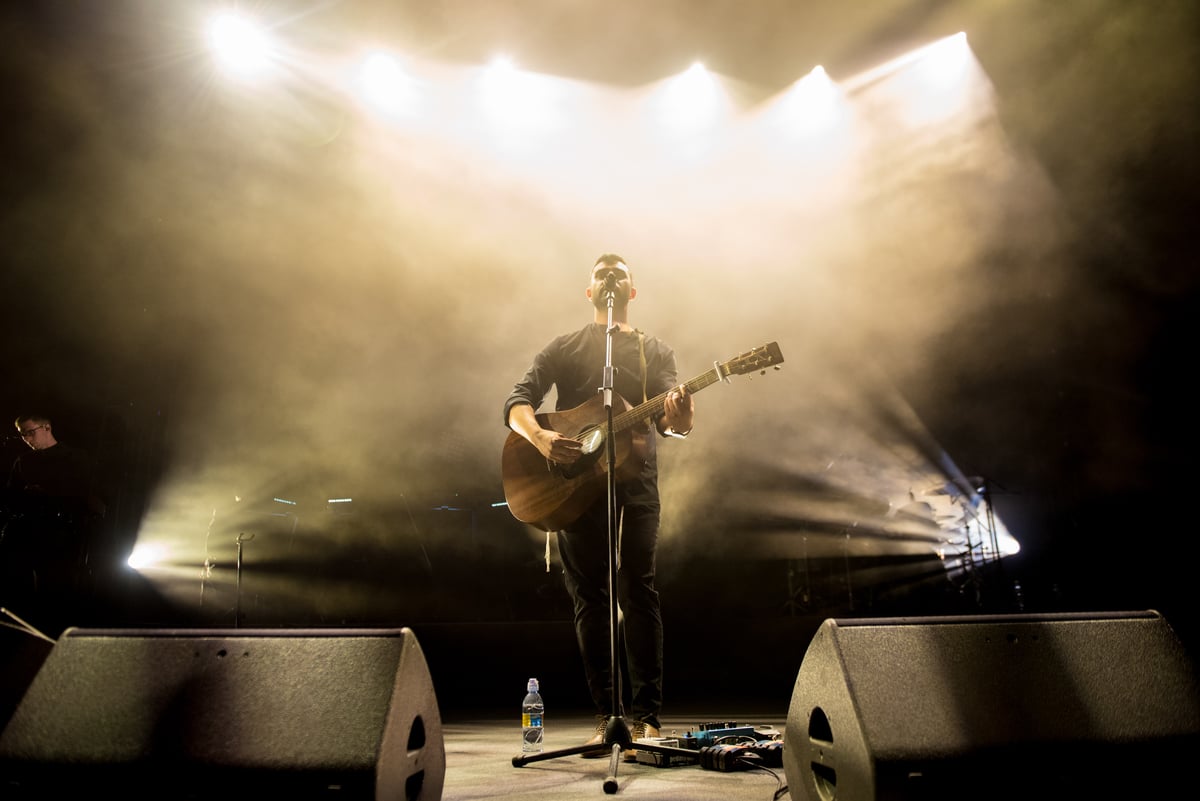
(610,284)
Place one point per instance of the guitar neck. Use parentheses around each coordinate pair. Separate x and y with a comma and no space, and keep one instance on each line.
(656,405)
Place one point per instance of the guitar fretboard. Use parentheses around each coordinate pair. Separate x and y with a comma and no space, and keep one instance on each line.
(655,406)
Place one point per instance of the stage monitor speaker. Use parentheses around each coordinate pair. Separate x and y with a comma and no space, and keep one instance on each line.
(22,654)
(188,714)
(997,707)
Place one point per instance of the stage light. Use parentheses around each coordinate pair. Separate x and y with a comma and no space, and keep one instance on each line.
(946,58)
(692,100)
(813,104)
(517,103)
(938,79)
(146,555)
(944,62)
(504,92)
(239,45)
(505,89)
(931,85)
(386,86)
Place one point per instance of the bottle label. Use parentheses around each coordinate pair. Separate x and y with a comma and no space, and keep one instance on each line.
(528,719)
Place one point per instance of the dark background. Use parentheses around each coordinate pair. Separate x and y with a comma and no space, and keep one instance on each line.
(231,295)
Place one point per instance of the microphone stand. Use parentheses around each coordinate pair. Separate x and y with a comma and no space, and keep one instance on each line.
(237,608)
(22,625)
(616,733)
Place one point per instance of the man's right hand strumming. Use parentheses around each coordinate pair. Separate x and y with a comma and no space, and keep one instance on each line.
(554,446)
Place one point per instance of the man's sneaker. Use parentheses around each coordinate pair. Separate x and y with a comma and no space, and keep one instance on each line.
(597,738)
(641,729)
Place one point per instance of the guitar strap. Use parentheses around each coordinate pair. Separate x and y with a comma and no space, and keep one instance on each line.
(642,357)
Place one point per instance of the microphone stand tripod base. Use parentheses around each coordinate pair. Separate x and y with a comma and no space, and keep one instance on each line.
(616,736)
(616,741)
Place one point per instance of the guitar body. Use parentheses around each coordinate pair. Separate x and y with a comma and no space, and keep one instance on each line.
(550,496)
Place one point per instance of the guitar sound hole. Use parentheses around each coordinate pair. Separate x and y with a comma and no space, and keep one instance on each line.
(593,442)
(592,439)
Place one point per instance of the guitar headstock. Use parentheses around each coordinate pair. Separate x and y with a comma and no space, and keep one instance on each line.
(757,360)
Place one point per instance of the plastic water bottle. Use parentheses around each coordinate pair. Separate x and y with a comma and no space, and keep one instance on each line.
(531,719)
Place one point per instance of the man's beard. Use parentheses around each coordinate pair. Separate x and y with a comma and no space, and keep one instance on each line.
(600,301)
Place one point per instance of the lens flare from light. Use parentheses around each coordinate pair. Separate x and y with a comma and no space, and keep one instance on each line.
(239,45)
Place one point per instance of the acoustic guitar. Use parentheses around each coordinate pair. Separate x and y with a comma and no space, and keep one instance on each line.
(551,496)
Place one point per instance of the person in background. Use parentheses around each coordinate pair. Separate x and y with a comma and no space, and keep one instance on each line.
(50,512)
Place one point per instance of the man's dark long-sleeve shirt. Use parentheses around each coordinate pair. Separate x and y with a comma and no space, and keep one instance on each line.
(574,364)
(56,479)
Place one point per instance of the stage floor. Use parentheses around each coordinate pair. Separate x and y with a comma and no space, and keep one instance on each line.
(479,765)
